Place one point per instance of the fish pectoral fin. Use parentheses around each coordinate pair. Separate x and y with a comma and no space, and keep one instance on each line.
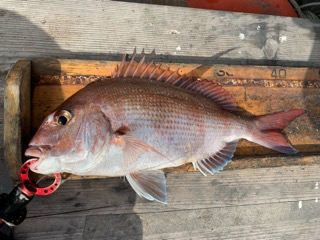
(133,148)
(150,184)
(218,161)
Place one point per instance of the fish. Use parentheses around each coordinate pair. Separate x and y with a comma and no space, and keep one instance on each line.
(146,118)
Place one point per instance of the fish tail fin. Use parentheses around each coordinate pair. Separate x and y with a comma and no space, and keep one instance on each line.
(268,127)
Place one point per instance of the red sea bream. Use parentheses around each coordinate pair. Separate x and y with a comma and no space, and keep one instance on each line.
(145,119)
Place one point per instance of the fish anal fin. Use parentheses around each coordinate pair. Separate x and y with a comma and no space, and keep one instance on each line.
(150,184)
(217,161)
(154,72)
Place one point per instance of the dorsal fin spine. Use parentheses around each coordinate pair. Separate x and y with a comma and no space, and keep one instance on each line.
(154,71)
(177,80)
(121,65)
(129,66)
(206,88)
(146,69)
(161,76)
(171,76)
(192,86)
(185,83)
(138,66)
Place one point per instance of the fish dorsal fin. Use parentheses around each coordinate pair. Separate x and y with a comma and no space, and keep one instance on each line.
(152,71)
(218,161)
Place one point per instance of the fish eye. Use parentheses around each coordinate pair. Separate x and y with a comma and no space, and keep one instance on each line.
(62,117)
(62,120)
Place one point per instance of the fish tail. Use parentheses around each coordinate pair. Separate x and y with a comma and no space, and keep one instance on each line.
(267,130)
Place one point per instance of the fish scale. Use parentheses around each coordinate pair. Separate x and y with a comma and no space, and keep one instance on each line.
(145,119)
(197,121)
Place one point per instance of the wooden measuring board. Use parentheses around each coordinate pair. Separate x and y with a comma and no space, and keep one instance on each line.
(257,89)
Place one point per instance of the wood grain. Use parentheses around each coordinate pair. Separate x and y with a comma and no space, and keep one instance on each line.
(17,115)
(5,181)
(185,191)
(239,203)
(83,29)
(263,221)
(222,223)
(62,67)
(52,228)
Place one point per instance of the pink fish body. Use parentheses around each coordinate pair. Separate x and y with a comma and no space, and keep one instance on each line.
(145,119)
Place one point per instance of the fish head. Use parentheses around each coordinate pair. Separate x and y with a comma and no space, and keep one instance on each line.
(70,139)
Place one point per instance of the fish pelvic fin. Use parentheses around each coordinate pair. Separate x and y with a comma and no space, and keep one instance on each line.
(150,184)
(206,88)
(267,129)
(218,161)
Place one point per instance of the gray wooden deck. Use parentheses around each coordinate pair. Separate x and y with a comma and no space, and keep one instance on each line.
(264,203)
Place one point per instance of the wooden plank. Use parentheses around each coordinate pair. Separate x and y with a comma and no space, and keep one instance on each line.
(275,221)
(73,67)
(3,75)
(86,31)
(272,203)
(185,191)
(51,228)
(4,69)
(17,115)
(243,222)
(5,180)
(286,220)
(62,67)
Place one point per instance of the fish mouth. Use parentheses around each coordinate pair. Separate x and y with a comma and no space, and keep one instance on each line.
(36,151)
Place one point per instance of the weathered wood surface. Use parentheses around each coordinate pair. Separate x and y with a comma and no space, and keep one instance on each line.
(5,180)
(268,203)
(86,29)
(61,67)
(17,114)
(105,30)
